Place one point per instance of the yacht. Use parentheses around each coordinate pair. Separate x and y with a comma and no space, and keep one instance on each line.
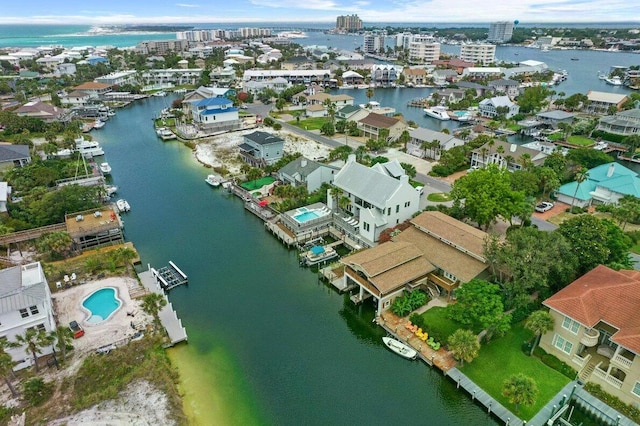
(123,205)
(87,148)
(110,190)
(105,168)
(98,124)
(437,112)
(160,93)
(614,81)
(213,180)
(165,133)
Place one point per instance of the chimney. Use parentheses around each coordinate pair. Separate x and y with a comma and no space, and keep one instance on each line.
(303,162)
(611,169)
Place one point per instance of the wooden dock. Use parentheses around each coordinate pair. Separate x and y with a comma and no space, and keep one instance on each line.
(492,406)
(168,317)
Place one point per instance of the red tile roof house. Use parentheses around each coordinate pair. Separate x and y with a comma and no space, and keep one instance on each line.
(597,330)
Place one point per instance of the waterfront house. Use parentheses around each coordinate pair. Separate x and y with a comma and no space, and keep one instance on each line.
(25,302)
(511,88)
(623,123)
(489,107)
(415,76)
(606,184)
(373,123)
(427,143)
(223,76)
(480,73)
(260,148)
(168,76)
(338,100)
(206,92)
(506,154)
(436,254)
(118,78)
(352,78)
(94,228)
(292,77)
(453,63)
(554,117)
(5,196)
(385,75)
(379,197)
(442,77)
(94,89)
(308,173)
(277,84)
(477,87)
(215,114)
(76,98)
(351,113)
(13,155)
(449,96)
(601,102)
(597,330)
(43,111)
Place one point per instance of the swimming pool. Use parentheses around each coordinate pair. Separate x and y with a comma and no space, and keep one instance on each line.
(306,216)
(101,304)
(460,113)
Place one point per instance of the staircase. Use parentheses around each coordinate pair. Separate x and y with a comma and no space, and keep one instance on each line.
(585,373)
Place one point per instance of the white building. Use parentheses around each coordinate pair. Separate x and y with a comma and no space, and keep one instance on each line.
(500,32)
(373,42)
(380,197)
(478,53)
(178,76)
(25,302)
(118,78)
(489,107)
(424,49)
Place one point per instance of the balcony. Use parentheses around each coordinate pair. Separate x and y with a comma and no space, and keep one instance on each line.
(590,337)
(622,361)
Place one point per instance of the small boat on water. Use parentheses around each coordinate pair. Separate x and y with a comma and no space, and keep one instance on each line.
(437,112)
(316,255)
(160,93)
(614,81)
(123,205)
(575,59)
(110,190)
(400,348)
(105,168)
(165,133)
(98,124)
(213,180)
(87,148)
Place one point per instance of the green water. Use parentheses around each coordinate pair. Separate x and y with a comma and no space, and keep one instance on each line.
(268,343)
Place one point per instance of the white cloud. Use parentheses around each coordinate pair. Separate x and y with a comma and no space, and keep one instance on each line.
(187,5)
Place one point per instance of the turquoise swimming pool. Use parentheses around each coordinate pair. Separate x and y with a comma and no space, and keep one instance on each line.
(306,216)
(101,304)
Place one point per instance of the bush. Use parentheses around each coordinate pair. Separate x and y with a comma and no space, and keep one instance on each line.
(6,413)
(632,412)
(576,210)
(554,363)
(277,126)
(36,391)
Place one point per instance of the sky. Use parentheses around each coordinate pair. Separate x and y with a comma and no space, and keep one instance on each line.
(300,11)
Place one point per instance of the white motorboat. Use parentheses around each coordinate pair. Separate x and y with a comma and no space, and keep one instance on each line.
(105,168)
(160,93)
(212,180)
(317,254)
(437,112)
(123,205)
(98,124)
(165,133)
(110,190)
(614,81)
(400,348)
(87,148)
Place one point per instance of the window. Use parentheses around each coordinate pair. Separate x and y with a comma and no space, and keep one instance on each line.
(365,225)
(571,325)
(407,204)
(397,208)
(34,310)
(389,211)
(563,344)
(38,328)
(449,276)
(636,389)
(24,313)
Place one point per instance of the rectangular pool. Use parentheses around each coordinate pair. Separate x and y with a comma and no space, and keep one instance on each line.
(306,216)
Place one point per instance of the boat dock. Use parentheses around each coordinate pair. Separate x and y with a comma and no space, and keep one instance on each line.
(170,276)
(168,316)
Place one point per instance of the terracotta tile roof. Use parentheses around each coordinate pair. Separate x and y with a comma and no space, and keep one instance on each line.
(379,120)
(603,294)
(92,85)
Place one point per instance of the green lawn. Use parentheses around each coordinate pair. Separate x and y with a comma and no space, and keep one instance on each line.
(438,325)
(503,357)
(580,140)
(314,123)
(514,127)
(257,184)
(555,136)
(439,197)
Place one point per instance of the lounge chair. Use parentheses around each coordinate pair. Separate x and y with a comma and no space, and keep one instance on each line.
(66,278)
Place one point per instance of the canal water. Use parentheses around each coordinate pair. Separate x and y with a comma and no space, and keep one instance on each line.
(268,343)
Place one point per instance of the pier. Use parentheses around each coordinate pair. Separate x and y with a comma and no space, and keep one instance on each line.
(168,317)
(169,276)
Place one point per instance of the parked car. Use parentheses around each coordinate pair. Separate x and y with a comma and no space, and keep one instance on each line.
(76,329)
(544,207)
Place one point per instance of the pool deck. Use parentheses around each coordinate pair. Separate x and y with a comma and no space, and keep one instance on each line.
(168,317)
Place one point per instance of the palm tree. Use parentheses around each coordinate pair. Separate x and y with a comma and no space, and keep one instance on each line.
(404,138)
(63,337)
(369,94)
(581,176)
(520,389)
(6,370)
(539,322)
(33,340)
(152,304)
(464,345)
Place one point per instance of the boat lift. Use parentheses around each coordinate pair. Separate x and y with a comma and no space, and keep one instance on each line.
(170,276)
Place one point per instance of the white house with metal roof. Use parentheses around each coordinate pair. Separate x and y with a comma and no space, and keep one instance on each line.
(260,148)
(427,143)
(25,302)
(624,123)
(489,107)
(380,197)
(308,173)
(600,102)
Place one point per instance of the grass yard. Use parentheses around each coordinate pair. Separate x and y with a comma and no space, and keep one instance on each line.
(580,140)
(313,123)
(555,136)
(514,127)
(257,184)
(503,357)
(439,197)
(438,325)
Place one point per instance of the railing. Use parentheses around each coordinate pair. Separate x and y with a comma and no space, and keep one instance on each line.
(590,337)
(617,383)
(580,361)
(623,361)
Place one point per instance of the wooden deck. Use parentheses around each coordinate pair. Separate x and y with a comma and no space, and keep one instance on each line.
(168,317)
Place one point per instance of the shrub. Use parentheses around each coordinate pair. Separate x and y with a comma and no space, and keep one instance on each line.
(277,126)
(36,391)
(554,363)
(632,412)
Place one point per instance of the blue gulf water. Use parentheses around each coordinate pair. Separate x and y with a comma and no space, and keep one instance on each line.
(101,304)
